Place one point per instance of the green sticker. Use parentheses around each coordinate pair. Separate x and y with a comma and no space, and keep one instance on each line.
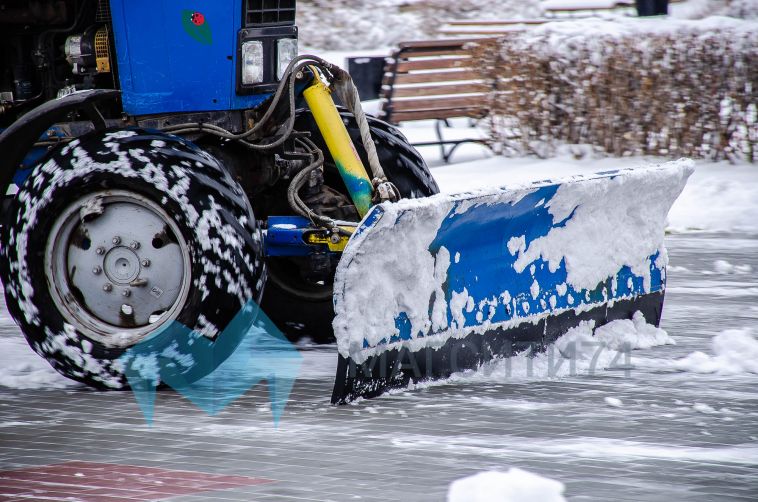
(197,27)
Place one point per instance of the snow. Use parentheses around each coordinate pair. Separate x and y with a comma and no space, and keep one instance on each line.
(516,485)
(611,225)
(583,4)
(718,197)
(613,402)
(21,368)
(724,267)
(582,350)
(583,447)
(623,215)
(735,351)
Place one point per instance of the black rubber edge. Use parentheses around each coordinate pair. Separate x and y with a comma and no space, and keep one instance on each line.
(397,368)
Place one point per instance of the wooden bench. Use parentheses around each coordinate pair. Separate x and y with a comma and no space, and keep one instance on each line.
(434,79)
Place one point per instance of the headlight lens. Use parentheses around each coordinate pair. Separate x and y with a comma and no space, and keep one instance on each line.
(252,62)
(286,51)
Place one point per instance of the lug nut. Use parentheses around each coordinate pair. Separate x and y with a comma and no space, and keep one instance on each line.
(126,293)
(100,250)
(108,287)
(116,241)
(134,245)
(145,262)
(97,270)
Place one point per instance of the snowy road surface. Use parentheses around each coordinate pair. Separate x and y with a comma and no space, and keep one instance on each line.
(676,426)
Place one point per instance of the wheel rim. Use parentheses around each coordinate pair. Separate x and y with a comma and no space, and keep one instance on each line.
(117,266)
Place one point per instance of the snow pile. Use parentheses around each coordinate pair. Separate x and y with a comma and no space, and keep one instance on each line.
(724,267)
(582,350)
(516,485)
(635,333)
(599,225)
(720,197)
(584,341)
(735,351)
(21,368)
(613,402)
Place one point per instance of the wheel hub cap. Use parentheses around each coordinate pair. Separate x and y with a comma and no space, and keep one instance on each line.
(118,266)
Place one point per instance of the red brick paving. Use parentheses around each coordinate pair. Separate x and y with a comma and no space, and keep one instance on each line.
(101,482)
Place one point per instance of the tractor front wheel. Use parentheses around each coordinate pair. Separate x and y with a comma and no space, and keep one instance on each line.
(117,234)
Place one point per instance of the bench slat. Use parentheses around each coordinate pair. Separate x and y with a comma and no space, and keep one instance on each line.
(436,90)
(491,22)
(434,52)
(438,114)
(439,103)
(433,64)
(432,77)
(453,43)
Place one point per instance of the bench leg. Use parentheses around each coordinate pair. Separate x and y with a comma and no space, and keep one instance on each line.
(438,128)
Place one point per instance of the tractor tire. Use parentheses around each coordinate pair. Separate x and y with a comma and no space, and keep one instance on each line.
(301,309)
(118,233)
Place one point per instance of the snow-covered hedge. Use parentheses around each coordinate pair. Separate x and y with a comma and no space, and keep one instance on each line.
(661,87)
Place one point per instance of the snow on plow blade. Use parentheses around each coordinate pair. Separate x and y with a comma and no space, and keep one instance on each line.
(428,287)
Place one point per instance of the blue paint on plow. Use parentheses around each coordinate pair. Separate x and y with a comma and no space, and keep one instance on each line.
(477,238)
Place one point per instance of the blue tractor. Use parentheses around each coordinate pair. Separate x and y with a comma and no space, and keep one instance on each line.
(148,145)
(169,161)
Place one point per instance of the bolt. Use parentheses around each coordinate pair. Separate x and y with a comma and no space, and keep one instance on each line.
(127,309)
(108,287)
(100,250)
(97,270)
(116,240)
(145,262)
(335,238)
(127,293)
(134,245)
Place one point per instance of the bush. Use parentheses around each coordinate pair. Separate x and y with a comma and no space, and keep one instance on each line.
(658,87)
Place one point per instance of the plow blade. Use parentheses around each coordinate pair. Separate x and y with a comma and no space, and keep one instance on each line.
(429,287)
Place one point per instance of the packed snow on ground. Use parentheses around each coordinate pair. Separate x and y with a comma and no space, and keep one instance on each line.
(21,368)
(552,447)
(516,485)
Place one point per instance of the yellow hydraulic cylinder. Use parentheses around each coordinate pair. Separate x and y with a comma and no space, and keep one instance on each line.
(319,99)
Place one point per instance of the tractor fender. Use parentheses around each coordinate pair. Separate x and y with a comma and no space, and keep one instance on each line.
(18,139)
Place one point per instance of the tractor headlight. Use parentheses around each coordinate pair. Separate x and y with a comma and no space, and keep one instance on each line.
(252,62)
(286,51)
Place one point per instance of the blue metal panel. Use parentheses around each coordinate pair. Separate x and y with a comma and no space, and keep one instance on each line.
(286,236)
(170,61)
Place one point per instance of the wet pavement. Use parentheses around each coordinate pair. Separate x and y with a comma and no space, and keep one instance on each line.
(674,435)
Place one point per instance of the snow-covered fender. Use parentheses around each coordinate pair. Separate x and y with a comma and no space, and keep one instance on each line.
(18,139)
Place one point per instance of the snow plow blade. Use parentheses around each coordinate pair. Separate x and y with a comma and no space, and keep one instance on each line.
(429,287)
